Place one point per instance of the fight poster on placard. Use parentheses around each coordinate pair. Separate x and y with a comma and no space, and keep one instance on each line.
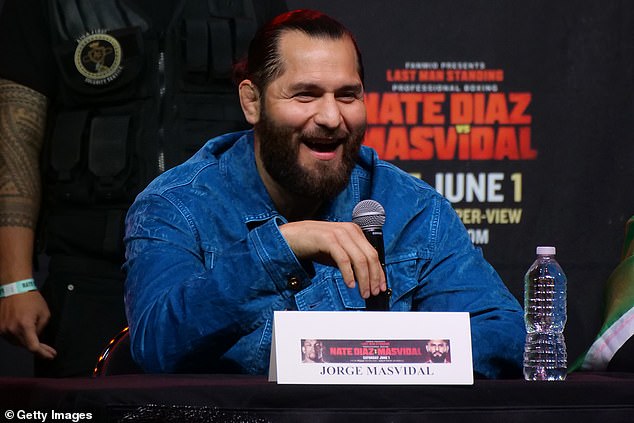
(366,351)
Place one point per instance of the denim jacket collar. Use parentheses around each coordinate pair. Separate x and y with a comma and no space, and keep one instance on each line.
(261,207)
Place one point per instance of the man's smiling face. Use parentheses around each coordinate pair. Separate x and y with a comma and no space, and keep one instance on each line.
(312,117)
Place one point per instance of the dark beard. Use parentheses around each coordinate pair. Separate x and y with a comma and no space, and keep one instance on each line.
(438,358)
(280,159)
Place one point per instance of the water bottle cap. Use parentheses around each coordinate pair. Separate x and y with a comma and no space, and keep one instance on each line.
(546,251)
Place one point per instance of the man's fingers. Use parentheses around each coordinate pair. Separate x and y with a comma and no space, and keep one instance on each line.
(46,351)
(363,259)
(22,318)
(342,260)
(376,275)
(42,320)
(353,265)
(342,244)
(30,340)
(366,264)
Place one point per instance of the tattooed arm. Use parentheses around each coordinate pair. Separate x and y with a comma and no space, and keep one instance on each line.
(22,122)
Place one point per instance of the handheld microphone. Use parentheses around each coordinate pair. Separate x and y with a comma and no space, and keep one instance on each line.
(370,216)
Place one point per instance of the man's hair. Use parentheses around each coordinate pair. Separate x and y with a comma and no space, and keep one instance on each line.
(264,63)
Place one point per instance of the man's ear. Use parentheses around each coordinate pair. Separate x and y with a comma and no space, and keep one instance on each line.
(250,101)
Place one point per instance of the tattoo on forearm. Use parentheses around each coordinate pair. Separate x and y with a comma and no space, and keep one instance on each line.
(22,122)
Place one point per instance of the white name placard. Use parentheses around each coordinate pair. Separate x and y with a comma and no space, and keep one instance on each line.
(346,347)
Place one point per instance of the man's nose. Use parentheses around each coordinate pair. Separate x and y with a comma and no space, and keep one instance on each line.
(328,113)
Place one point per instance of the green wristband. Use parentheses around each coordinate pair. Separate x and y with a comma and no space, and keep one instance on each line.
(18,287)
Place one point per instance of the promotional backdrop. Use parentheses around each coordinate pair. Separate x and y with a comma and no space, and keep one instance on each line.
(521,113)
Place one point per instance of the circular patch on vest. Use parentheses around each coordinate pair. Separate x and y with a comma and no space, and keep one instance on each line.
(98,58)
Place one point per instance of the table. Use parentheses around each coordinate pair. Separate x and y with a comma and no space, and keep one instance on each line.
(583,397)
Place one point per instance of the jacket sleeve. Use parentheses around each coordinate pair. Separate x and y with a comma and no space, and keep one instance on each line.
(184,300)
(458,278)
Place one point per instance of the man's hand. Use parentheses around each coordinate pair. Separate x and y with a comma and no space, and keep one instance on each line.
(342,244)
(22,318)
(23,111)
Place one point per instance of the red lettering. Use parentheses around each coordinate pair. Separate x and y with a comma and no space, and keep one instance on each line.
(421,138)
(438,142)
(375,138)
(372,101)
(488,109)
(411,107)
(460,109)
(400,75)
(526,151)
(397,144)
(520,102)
(464,146)
(431,75)
(482,143)
(390,110)
(432,109)
(445,145)
(506,145)
(479,107)
(496,110)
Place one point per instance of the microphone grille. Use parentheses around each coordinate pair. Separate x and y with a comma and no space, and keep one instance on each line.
(368,214)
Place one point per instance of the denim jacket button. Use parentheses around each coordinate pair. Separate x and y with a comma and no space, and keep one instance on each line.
(293,283)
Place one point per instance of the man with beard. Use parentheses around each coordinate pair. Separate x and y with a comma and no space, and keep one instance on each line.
(438,351)
(312,351)
(259,221)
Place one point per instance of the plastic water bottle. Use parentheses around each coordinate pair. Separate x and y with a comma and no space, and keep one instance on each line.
(545,316)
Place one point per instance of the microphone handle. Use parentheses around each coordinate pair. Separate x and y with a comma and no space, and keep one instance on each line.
(380,302)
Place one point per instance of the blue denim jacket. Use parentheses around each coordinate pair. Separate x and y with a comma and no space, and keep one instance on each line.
(207,265)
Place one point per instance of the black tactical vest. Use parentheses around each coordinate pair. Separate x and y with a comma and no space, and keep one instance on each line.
(134,99)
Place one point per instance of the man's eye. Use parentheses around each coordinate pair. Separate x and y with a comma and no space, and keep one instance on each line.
(305,96)
(348,97)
